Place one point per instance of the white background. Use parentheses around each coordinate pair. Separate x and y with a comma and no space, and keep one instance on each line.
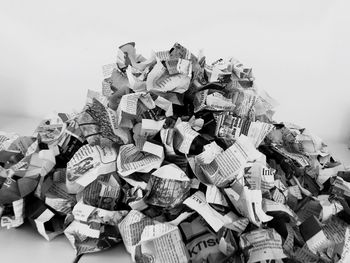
(51,52)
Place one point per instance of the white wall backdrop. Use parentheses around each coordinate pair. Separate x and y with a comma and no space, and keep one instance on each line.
(51,52)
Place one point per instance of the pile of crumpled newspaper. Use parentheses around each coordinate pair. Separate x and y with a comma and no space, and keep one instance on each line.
(181,161)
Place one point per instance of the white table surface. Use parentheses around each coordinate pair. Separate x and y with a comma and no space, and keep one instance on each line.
(25,245)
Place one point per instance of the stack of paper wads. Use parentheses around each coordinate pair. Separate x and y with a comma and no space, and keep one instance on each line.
(181,161)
